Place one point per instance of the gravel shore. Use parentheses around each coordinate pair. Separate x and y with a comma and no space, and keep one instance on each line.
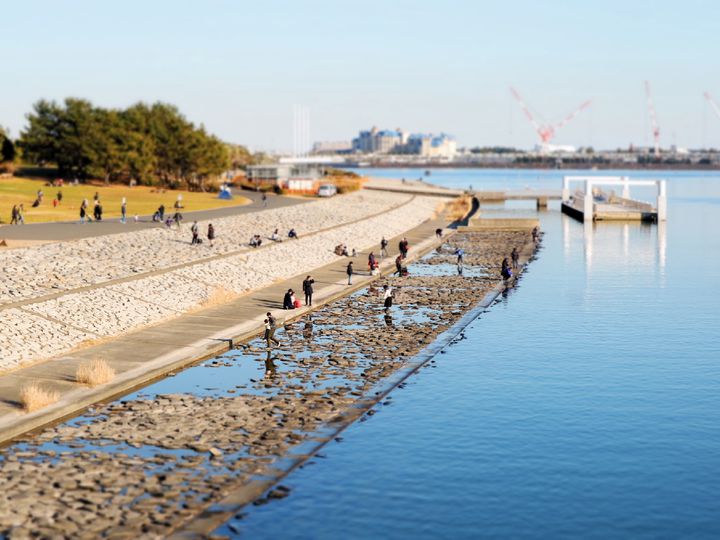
(144,466)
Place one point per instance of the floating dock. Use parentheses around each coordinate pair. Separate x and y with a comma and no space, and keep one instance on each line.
(592,204)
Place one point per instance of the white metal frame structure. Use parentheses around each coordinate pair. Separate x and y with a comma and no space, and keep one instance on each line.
(624,181)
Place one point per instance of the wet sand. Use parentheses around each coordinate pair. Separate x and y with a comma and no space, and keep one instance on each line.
(147,466)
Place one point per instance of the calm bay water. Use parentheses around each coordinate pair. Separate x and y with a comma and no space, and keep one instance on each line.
(583,404)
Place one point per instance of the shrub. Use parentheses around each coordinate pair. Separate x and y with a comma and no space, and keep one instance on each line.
(94,373)
(34,397)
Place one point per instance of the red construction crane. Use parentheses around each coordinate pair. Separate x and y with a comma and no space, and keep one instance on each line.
(653,118)
(546,131)
(712,103)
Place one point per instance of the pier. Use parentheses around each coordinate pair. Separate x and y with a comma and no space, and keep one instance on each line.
(419,187)
(593,204)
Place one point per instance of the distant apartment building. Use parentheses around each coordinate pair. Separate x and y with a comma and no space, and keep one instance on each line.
(375,141)
(332,147)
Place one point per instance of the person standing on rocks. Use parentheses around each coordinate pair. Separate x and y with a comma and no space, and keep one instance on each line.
(535,234)
(383,248)
(349,271)
(515,257)
(270,327)
(388,295)
(505,271)
(211,234)
(398,265)
(460,252)
(438,233)
(195,230)
(404,246)
(307,286)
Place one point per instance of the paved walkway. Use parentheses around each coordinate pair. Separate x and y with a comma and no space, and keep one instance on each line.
(72,230)
(142,356)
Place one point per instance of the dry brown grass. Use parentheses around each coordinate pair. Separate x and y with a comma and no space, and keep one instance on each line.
(458,208)
(219,296)
(34,397)
(94,372)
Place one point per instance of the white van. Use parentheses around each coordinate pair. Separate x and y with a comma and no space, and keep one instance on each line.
(327,190)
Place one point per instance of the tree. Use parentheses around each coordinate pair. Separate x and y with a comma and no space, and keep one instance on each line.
(147,143)
(7,147)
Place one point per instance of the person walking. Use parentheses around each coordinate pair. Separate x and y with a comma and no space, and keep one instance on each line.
(83,210)
(211,234)
(388,295)
(349,271)
(307,286)
(123,211)
(515,257)
(21,214)
(438,233)
(460,252)
(59,197)
(383,248)
(270,327)
(263,198)
(195,230)
(13,215)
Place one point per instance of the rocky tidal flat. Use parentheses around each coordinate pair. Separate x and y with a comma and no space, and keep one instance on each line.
(145,465)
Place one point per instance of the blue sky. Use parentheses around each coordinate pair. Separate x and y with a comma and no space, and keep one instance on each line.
(239,67)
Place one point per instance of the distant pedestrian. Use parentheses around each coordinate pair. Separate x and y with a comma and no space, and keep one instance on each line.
(211,234)
(177,218)
(195,230)
(263,198)
(59,196)
(372,262)
(55,203)
(307,286)
(96,196)
(388,295)
(288,300)
(460,252)
(21,214)
(123,211)
(438,233)
(515,257)
(97,210)
(383,248)
(349,271)
(404,246)
(505,271)
(398,265)
(13,215)
(83,211)
(535,234)
(270,327)
(292,234)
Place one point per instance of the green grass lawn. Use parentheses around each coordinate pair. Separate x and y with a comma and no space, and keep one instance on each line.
(141,200)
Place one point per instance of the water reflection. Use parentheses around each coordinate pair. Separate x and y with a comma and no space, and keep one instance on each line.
(642,244)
